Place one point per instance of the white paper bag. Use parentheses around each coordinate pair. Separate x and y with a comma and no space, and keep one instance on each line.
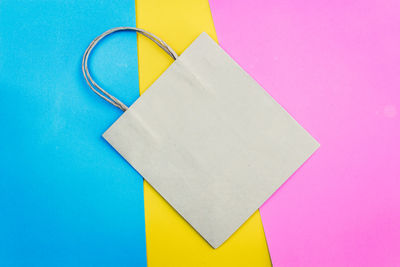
(210,140)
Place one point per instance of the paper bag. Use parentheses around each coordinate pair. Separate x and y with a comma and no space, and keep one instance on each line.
(210,140)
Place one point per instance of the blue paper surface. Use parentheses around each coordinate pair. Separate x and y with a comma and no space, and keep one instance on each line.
(66,197)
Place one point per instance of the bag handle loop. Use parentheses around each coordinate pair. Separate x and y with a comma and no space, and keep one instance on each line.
(85,69)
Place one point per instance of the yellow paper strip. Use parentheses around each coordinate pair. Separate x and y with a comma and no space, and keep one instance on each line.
(171,241)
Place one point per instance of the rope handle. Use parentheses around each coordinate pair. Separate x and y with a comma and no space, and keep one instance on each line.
(85,69)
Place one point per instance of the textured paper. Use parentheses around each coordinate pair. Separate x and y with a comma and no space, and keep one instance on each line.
(334,65)
(247,246)
(210,140)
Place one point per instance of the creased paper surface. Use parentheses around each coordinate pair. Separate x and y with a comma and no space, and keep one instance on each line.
(210,140)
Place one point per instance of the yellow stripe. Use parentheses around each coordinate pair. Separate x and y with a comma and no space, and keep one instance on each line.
(171,241)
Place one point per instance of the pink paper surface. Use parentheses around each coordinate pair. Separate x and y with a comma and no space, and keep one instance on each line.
(334,66)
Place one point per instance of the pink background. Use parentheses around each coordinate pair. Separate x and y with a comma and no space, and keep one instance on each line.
(334,65)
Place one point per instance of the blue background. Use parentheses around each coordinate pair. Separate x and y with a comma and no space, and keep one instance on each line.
(66,197)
